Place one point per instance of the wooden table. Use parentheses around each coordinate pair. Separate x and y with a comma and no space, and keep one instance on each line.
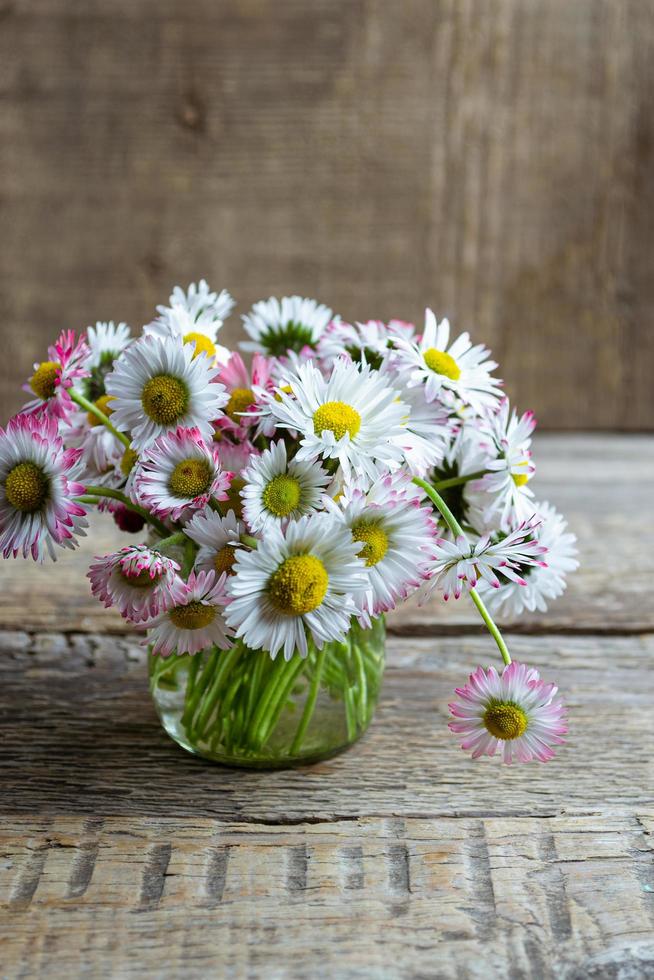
(122,856)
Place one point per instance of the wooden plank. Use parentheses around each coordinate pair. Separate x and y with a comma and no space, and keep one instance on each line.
(543,897)
(81,737)
(601,483)
(491,160)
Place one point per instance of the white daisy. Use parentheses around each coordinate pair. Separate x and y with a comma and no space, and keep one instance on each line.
(445,369)
(38,487)
(102,452)
(502,494)
(371,341)
(543,583)
(352,416)
(459,565)
(179,473)
(106,340)
(200,333)
(195,622)
(394,534)
(157,384)
(290,324)
(428,431)
(296,580)
(200,301)
(218,538)
(278,490)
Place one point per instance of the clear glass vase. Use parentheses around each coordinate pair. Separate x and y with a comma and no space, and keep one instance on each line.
(242,708)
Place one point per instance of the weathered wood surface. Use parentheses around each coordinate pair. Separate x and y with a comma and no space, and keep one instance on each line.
(123,856)
(602,483)
(490,159)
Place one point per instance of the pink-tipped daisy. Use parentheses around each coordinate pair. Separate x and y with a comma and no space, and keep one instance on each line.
(53,379)
(140,582)
(515,711)
(458,565)
(242,385)
(218,539)
(38,486)
(178,474)
(195,622)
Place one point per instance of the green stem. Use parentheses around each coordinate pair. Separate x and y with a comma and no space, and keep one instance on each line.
(90,407)
(310,702)
(117,495)
(456,529)
(457,481)
(248,540)
(171,541)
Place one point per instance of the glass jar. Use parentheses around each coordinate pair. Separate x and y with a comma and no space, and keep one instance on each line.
(242,708)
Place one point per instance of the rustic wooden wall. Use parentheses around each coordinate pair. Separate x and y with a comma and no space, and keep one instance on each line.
(492,158)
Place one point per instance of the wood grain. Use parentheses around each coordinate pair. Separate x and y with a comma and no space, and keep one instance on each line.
(601,483)
(492,160)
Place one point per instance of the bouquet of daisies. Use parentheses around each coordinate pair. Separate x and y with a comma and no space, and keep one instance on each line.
(285,503)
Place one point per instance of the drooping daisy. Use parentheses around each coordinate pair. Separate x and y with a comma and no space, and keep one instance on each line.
(514,711)
(277,326)
(278,489)
(371,341)
(178,474)
(38,486)
(458,368)
(157,385)
(394,534)
(53,379)
(502,494)
(352,416)
(201,301)
(195,622)
(218,538)
(543,583)
(140,582)
(242,386)
(458,565)
(299,579)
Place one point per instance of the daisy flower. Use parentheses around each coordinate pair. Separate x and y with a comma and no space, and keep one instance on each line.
(194,622)
(235,457)
(218,538)
(38,486)
(458,565)
(200,301)
(502,494)
(296,580)
(140,582)
(53,379)
(543,583)
(290,324)
(157,384)
(278,490)
(456,369)
(102,453)
(428,431)
(199,332)
(393,533)
(371,341)
(178,474)
(242,386)
(352,417)
(514,711)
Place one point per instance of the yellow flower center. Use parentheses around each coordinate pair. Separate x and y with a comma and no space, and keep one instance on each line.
(338,417)
(194,616)
(287,391)
(101,403)
(441,363)
(299,585)
(190,478)
(165,399)
(375,541)
(234,496)
(520,479)
(239,400)
(282,495)
(141,581)
(127,462)
(505,720)
(26,487)
(224,559)
(203,344)
(43,380)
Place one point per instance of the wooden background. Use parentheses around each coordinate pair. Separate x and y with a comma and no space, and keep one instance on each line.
(491,158)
